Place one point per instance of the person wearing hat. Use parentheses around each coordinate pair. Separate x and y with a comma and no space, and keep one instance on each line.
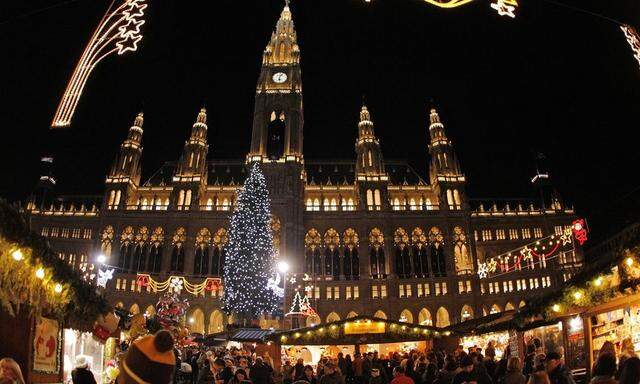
(81,373)
(558,372)
(467,374)
(150,359)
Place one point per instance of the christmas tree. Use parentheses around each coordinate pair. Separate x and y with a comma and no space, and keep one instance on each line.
(250,259)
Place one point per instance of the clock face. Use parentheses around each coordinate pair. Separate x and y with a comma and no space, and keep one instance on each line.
(279,77)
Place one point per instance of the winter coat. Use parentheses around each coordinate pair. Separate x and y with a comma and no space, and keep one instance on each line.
(333,378)
(445,377)
(561,375)
(82,376)
(602,380)
(260,374)
(513,377)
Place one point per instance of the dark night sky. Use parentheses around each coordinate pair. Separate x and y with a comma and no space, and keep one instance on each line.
(552,80)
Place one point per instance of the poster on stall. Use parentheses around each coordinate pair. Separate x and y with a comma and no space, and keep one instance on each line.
(514,344)
(46,346)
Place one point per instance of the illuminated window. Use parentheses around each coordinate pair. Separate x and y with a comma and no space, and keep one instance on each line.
(482,289)
(408,290)
(401,290)
(468,286)
(374,292)
(329,293)
(513,234)
(209,204)
(500,234)
(376,195)
(326,204)
(383,291)
(75,233)
(309,204)
(420,292)
(427,289)
(65,232)
(181,198)
(537,232)
(44,231)
(317,292)
(370,158)
(370,198)
(461,287)
(450,200)
(87,233)
(558,229)
(356,292)
(334,204)
(316,204)
(396,204)
(347,293)
(487,235)
(456,198)
(526,233)
(187,199)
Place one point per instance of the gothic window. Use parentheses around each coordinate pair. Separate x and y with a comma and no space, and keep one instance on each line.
(420,256)
(181,198)
(351,263)
(155,252)
(403,260)
(187,199)
(107,240)
(201,260)
(466,313)
(464,264)
(177,254)
(442,318)
(438,265)
(275,138)
(316,204)
(312,242)
(326,204)
(334,204)
(450,200)
(456,198)
(376,254)
(369,199)
(376,198)
(116,203)
(126,248)
(396,204)
(370,158)
(220,240)
(209,204)
(112,197)
(331,253)
(141,248)
(309,204)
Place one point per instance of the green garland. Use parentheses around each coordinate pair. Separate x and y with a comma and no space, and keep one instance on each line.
(85,304)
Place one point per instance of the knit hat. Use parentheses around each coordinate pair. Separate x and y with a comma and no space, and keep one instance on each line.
(150,359)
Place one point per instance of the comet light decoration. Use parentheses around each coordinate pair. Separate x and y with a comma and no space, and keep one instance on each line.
(505,7)
(633,39)
(118,32)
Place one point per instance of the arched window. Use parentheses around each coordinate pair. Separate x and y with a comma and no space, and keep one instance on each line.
(333,317)
(313,320)
(403,260)
(275,137)
(509,307)
(438,266)
(195,321)
(466,313)
(326,206)
(450,200)
(456,198)
(380,315)
(396,204)
(112,197)
(201,260)
(406,316)
(369,199)
(334,204)
(216,322)
(177,255)
(351,262)
(424,317)
(351,315)
(376,253)
(442,318)
(126,248)
(181,198)
(107,240)
(220,239)
(116,203)
(155,252)
(309,204)
(313,262)
(331,253)
(209,204)
(462,258)
(376,198)
(495,309)
(370,158)
(420,255)
(140,253)
(187,199)
(316,204)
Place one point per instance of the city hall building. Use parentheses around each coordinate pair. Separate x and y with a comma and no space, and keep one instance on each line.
(364,236)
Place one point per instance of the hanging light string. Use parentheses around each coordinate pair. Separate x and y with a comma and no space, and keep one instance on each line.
(585,11)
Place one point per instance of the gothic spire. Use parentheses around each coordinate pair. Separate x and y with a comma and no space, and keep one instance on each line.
(283,48)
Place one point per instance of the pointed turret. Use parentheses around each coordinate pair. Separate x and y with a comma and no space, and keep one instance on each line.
(126,170)
(445,173)
(190,174)
(283,47)
(371,178)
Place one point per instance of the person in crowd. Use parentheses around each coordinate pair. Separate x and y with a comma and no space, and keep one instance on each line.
(342,364)
(367,366)
(10,372)
(267,359)
(529,364)
(430,374)
(605,369)
(466,374)
(608,347)
(375,377)
(239,377)
(557,371)
(348,372)
(260,372)
(330,375)
(399,376)
(309,377)
(243,363)
(490,364)
(538,362)
(540,377)
(287,372)
(298,370)
(630,371)
(514,372)
(206,371)
(149,359)
(226,373)
(501,366)
(81,374)
(490,352)
(448,372)
(357,369)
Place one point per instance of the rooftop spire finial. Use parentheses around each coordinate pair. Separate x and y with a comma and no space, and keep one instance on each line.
(202,116)
(139,120)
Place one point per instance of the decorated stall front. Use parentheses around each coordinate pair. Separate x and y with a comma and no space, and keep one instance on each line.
(356,334)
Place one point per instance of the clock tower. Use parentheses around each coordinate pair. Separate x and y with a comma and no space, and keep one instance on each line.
(277,117)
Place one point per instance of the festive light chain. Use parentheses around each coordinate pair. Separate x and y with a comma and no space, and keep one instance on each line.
(118,32)
(537,249)
(503,7)
(178,283)
(633,39)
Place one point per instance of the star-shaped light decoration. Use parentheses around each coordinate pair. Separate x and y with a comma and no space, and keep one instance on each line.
(483,271)
(308,288)
(134,9)
(131,28)
(129,43)
(504,8)
(292,280)
(526,253)
(176,284)
(104,277)
(567,236)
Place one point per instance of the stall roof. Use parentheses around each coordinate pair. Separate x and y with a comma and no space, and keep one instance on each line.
(358,330)
(250,335)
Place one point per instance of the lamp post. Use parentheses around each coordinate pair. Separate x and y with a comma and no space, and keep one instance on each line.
(283,267)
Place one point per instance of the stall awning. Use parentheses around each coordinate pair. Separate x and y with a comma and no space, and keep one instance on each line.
(250,335)
(358,330)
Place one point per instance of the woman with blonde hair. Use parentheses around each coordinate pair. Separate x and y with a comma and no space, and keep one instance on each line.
(539,378)
(10,372)
(514,372)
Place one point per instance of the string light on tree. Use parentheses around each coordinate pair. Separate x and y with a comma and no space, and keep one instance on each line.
(250,260)
(633,39)
(118,32)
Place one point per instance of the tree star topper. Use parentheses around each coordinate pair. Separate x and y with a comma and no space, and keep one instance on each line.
(505,7)
(118,32)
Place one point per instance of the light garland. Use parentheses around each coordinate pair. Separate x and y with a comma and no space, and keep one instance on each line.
(118,32)
(505,7)
(633,39)
(250,258)
(177,284)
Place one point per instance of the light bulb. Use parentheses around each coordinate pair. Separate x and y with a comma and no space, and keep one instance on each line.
(577,295)
(40,273)
(629,261)
(17,255)
(598,282)
(57,288)
(556,308)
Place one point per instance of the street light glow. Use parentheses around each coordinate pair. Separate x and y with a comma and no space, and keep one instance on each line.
(283,266)
(101,258)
